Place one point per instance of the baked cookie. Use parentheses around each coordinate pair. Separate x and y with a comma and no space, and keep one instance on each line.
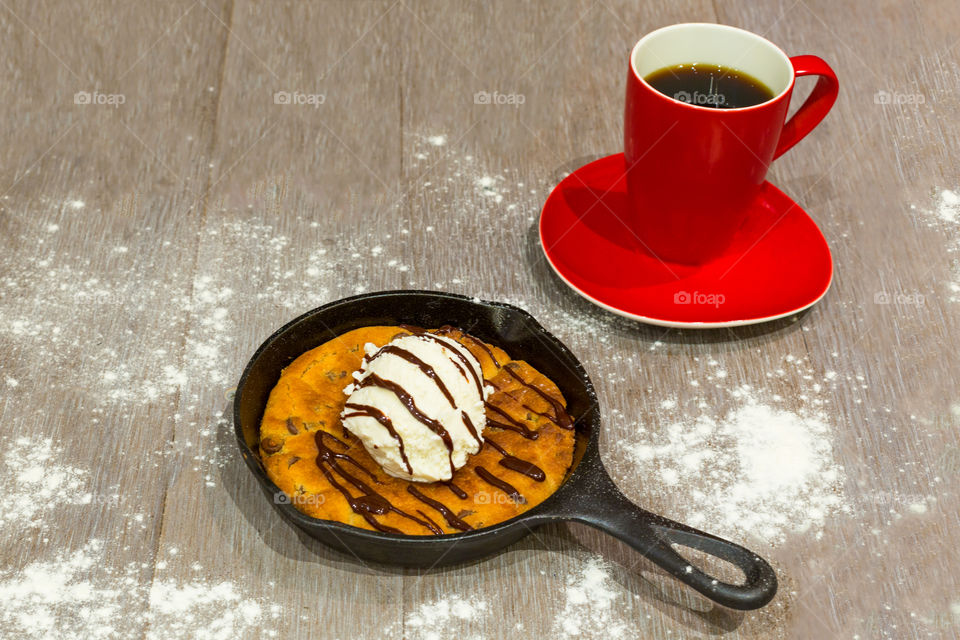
(327,473)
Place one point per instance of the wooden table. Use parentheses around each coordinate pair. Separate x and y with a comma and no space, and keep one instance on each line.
(158,228)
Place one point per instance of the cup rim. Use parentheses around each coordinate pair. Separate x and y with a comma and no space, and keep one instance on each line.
(723,27)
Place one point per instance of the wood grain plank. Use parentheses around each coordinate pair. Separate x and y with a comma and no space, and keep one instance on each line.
(94,214)
(295,190)
(874,161)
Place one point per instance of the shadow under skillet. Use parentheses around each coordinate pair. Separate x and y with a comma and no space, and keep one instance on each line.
(563,296)
(638,576)
(656,587)
(253,505)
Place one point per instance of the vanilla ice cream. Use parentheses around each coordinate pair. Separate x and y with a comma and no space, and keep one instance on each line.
(417,406)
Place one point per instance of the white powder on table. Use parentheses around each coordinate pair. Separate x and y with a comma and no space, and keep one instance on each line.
(590,599)
(948,206)
(945,214)
(759,470)
(57,599)
(487,187)
(53,307)
(433,620)
(34,483)
(79,595)
(200,609)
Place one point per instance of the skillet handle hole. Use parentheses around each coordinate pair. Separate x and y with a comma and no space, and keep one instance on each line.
(710,564)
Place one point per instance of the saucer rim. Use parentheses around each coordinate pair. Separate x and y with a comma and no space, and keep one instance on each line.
(676,324)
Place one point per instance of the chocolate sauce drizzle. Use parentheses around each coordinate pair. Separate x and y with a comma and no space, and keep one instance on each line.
(478,342)
(543,414)
(468,423)
(344,456)
(427,369)
(462,358)
(363,410)
(519,465)
(410,328)
(448,515)
(512,424)
(503,485)
(407,400)
(369,503)
(457,491)
(460,369)
(560,415)
(373,380)
(428,518)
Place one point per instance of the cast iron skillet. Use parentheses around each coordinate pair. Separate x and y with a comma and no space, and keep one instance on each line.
(588,495)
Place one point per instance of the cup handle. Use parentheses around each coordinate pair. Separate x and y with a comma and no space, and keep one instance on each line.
(817,105)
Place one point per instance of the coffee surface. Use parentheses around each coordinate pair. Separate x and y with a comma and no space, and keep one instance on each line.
(709,85)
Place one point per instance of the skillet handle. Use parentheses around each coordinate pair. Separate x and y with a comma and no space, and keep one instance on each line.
(612,512)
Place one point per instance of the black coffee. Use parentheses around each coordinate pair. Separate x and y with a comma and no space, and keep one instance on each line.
(709,85)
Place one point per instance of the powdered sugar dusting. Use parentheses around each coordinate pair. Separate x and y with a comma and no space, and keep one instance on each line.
(762,470)
(433,620)
(489,187)
(34,482)
(78,595)
(946,214)
(56,599)
(590,605)
(52,306)
(201,610)
(948,207)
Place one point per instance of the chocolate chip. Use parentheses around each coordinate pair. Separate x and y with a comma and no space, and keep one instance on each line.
(271,447)
(292,428)
(292,461)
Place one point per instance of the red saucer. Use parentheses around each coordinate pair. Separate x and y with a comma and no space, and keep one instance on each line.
(777,265)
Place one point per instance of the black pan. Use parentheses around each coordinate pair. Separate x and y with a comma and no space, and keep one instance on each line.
(588,495)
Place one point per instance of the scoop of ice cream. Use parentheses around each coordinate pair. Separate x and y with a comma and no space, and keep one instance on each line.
(417,405)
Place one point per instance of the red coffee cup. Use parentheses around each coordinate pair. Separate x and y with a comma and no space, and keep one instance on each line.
(694,171)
